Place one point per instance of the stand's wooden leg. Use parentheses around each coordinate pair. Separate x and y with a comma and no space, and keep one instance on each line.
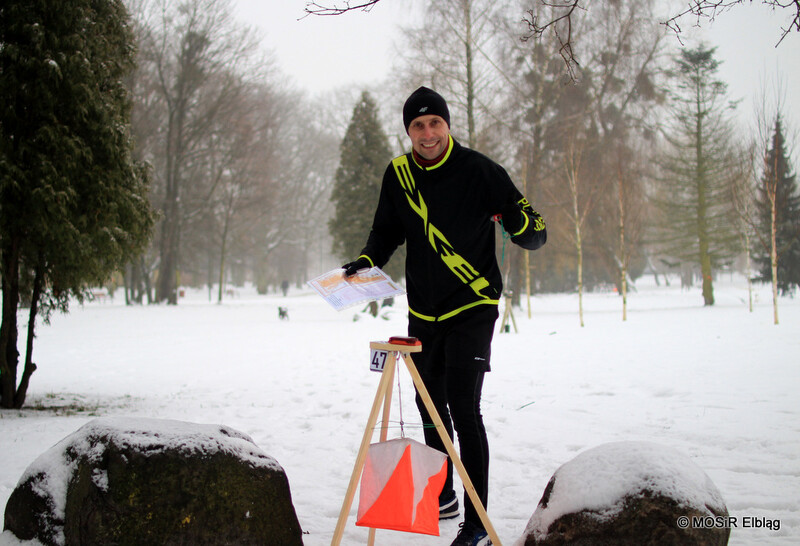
(389,369)
(451,450)
(391,365)
(380,397)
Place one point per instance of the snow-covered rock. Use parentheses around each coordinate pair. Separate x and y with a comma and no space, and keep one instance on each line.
(631,493)
(123,480)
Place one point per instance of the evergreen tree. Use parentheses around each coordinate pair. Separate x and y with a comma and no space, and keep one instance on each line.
(694,195)
(73,204)
(365,154)
(779,187)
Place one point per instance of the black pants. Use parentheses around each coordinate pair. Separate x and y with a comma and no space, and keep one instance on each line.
(455,356)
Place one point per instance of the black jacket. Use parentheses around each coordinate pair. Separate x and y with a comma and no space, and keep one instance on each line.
(445,213)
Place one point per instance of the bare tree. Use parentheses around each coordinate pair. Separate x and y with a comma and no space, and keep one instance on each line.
(614,103)
(630,213)
(239,158)
(459,67)
(743,189)
(293,226)
(622,75)
(581,197)
(775,198)
(560,23)
(530,87)
(195,54)
(242,153)
(770,189)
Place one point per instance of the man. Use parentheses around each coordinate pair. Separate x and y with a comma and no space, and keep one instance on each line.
(441,199)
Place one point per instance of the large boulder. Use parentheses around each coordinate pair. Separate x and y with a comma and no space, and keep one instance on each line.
(629,493)
(149,481)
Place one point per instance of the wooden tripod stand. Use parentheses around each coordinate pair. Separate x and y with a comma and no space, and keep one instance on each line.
(383,396)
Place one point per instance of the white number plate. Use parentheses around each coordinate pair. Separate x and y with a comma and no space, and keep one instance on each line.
(377,360)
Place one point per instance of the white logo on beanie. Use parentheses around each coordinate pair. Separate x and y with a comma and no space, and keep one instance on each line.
(423,109)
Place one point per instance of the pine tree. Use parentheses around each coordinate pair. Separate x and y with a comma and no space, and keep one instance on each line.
(73,203)
(365,154)
(779,187)
(694,194)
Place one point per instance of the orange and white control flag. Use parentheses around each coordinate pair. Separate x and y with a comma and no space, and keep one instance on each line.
(400,487)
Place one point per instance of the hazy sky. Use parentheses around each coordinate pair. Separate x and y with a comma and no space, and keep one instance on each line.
(746,37)
(323,53)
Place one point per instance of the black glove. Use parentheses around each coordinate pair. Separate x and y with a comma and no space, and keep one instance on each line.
(511,217)
(352,268)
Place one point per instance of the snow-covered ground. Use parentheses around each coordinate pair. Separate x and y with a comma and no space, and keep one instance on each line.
(718,384)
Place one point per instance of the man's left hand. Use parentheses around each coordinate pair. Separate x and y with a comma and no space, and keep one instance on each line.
(354,267)
(511,217)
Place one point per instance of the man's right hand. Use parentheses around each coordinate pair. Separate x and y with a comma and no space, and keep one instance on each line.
(352,268)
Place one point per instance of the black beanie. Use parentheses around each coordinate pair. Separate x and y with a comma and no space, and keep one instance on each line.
(423,102)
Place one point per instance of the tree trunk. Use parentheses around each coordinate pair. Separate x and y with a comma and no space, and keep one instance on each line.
(573,172)
(515,272)
(135,282)
(9,356)
(702,211)
(623,258)
(128,283)
(579,248)
(166,286)
(749,271)
(471,138)
(708,281)
(773,253)
(148,285)
(222,264)
(527,259)
(30,367)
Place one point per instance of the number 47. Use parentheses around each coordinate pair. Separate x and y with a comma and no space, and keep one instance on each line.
(377,360)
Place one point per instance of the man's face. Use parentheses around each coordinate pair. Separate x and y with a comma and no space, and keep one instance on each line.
(429,135)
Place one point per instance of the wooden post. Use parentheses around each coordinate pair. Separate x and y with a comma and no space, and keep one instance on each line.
(528,280)
(508,313)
